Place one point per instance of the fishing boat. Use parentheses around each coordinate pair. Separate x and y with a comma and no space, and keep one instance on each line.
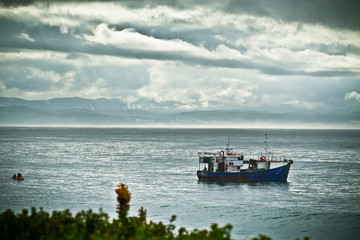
(227,166)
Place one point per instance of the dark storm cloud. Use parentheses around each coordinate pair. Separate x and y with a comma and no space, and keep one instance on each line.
(234,54)
(13,3)
(333,13)
(96,49)
(51,38)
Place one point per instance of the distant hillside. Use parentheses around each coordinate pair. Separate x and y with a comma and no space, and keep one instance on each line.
(20,115)
(256,116)
(67,111)
(100,104)
(113,112)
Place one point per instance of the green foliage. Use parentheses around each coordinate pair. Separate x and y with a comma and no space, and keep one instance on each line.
(96,226)
(263,237)
(90,225)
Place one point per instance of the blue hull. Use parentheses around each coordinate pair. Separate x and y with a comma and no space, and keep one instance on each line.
(273,175)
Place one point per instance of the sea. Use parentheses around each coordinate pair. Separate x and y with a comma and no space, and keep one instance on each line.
(80,168)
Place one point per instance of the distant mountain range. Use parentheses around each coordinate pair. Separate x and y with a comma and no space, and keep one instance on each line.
(113,112)
(67,111)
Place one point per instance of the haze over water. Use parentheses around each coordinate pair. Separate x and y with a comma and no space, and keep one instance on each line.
(79,168)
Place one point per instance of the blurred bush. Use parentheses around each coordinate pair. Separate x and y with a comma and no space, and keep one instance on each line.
(90,225)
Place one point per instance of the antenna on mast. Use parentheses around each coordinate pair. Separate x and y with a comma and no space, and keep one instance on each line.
(227,145)
(266,144)
(228,149)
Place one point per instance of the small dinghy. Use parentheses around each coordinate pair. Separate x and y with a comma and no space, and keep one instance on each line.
(18,177)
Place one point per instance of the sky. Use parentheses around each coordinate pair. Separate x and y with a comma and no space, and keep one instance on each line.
(275,56)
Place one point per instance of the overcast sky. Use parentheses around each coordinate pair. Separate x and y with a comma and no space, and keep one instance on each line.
(281,55)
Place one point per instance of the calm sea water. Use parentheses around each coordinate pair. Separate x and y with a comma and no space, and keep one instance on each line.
(79,169)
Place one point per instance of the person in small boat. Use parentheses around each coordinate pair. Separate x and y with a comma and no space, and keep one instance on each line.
(19,175)
(14,176)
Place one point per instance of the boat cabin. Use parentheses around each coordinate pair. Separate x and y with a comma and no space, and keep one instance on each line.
(227,166)
(221,162)
(230,162)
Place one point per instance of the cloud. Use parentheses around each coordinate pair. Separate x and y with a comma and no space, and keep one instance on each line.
(48,74)
(130,39)
(36,80)
(251,55)
(206,88)
(352,97)
(303,104)
(13,3)
(333,13)
(191,36)
(26,37)
(270,59)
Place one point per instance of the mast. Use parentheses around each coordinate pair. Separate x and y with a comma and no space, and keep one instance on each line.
(266,144)
(266,149)
(228,150)
(269,155)
(227,146)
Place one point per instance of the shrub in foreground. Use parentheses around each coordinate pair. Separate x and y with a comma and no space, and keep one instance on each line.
(90,225)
